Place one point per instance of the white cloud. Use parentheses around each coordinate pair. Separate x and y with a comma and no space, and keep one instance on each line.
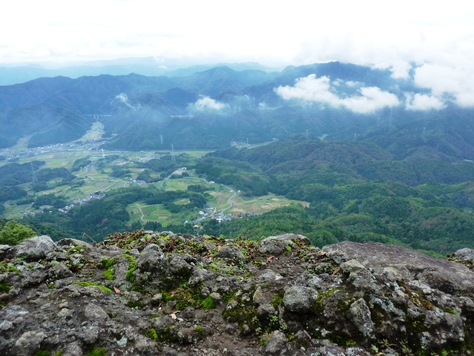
(124,99)
(400,70)
(446,80)
(206,103)
(423,102)
(372,99)
(319,90)
(352,84)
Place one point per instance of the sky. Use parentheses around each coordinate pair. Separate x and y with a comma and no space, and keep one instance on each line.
(434,37)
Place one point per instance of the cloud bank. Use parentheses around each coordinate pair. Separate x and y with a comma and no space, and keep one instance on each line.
(321,90)
(423,102)
(456,83)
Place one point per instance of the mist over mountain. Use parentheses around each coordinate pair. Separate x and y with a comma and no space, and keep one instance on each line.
(214,107)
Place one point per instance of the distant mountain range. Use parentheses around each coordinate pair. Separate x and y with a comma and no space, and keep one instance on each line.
(214,107)
(148,66)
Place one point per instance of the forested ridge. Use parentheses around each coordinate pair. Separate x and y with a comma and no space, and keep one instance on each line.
(357,191)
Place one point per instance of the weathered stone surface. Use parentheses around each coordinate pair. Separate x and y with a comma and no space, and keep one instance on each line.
(269,275)
(359,313)
(153,247)
(180,267)
(439,274)
(88,334)
(145,346)
(276,245)
(29,342)
(276,344)
(231,252)
(199,275)
(464,254)
(351,266)
(4,250)
(299,299)
(177,298)
(266,310)
(59,271)
(35,248)
(95,313)
(74,243)
(73,349)
(151,261)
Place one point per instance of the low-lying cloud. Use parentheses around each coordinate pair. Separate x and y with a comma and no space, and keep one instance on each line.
(321,90)
(423,102)
(124,99)
(455,83)
(229,104)
(206,103)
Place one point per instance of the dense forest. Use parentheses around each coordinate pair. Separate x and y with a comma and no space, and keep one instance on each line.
(99,218)
(14,174)
(357,190)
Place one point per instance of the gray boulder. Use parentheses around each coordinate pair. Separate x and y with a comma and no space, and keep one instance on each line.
(276,245)
(4,250)
(95,313)
(35,248)
(359,313)
(407,264)
(465,254)
(276,344)
(151,261)
(152,247)
(68,242)
(29,342)
(231,252)
(299,299)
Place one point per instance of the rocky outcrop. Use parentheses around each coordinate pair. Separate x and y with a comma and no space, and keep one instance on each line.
(34,248)
(147,293)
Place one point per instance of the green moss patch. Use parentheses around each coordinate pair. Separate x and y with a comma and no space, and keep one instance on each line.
(94,284)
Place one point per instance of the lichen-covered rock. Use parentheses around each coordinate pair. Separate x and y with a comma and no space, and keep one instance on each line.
(35,248)
(276,344)
(151,261)
(88,334)
(73,349)
(29,342)
(198,276)
(299,299)
(153,247)
(465,254)
(352,266)
(359,313)
(75,243)
(276,245)
(178,266)
(269,275)
(59,271)
(95,313)
(440,274)
(231,252)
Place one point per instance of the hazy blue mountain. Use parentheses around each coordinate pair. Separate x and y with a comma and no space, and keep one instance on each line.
(148,66)
(212,108)
(218,80)
(44,122)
